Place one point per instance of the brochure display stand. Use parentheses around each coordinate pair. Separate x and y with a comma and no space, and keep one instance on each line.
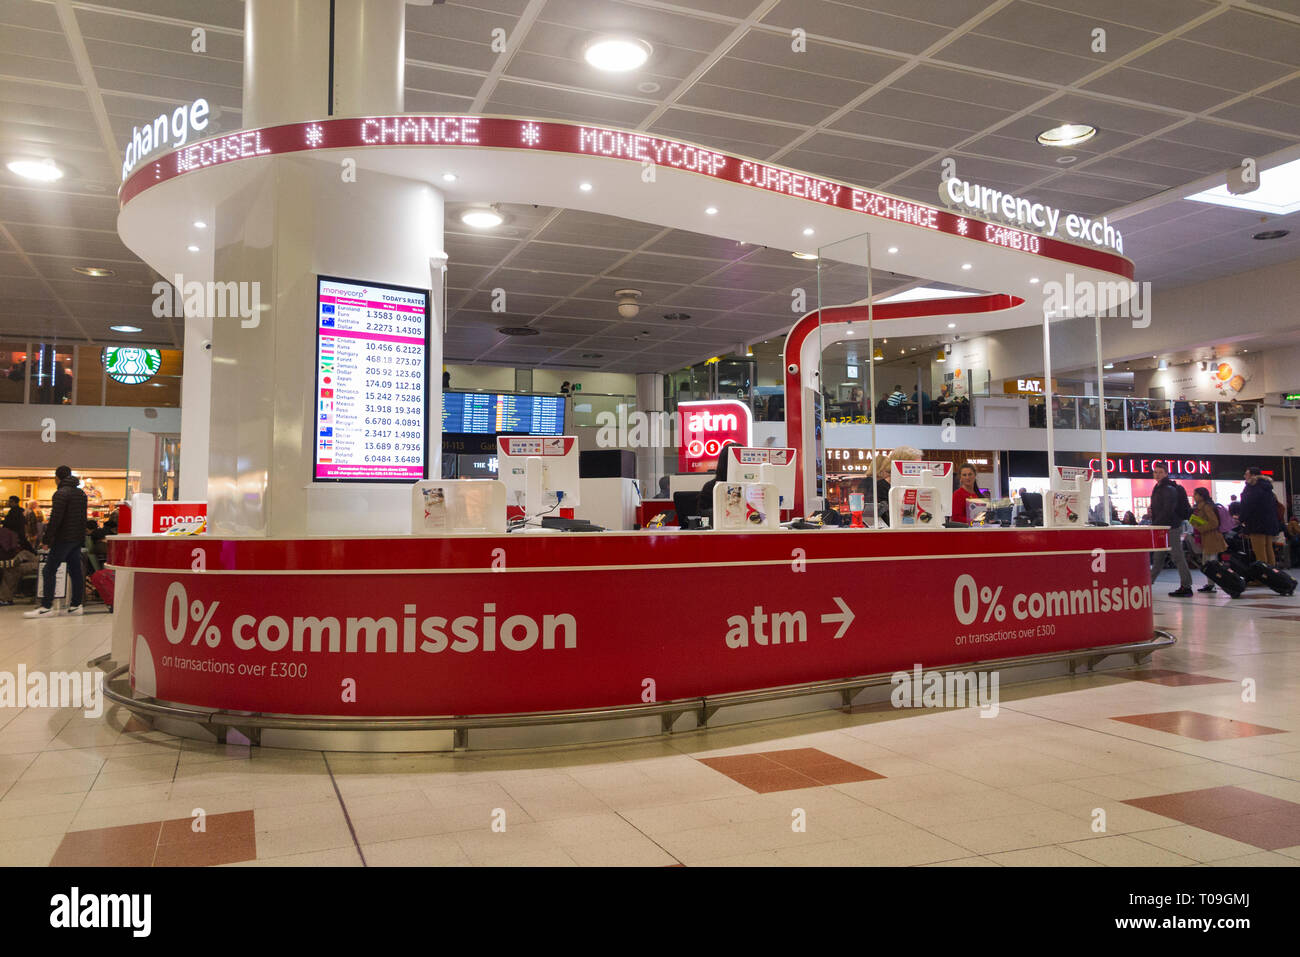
(745,506)
(459,506)
(1068,499)
(765,465)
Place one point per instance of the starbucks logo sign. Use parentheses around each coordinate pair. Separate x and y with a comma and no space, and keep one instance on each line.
(131,366)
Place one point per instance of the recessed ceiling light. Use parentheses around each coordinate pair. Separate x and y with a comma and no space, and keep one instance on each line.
(952,325)
(1067,134)
(43,171)
(1033,280)
(965,265)
(1109,365)
(518,331)
(712,211)
(585,187)
(1273,234)
(200,224)
(804,255)
(192,248)
(616,54)
(1278,192)
(1066,160)
(482,218)
(892,249)
(449,177)
(677,316)
(125,328)
(99,272)
(808,231)
(850,332)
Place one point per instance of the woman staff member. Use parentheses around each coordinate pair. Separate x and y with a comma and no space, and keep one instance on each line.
(1205,519)
(965,490)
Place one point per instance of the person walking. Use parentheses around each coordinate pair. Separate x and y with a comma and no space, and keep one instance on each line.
(1259,518)
(1169,506)
(65,534)
(1205,519)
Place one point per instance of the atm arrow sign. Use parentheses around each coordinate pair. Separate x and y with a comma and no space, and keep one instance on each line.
(845,619)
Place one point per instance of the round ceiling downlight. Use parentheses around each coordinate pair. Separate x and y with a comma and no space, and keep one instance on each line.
(43,171)
(482,218)
(1067,134)
(98,272)
(616,54)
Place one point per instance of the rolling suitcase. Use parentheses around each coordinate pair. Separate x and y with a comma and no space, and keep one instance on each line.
(1274,578)
(1240,564)
(1225,578)
(102,582)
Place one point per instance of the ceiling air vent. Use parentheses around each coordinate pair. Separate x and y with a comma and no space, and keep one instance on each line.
(518,331)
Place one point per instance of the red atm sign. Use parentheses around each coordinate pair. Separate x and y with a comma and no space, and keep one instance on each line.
(708,426)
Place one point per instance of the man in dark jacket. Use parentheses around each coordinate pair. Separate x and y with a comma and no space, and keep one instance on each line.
(1169,506)
(1259,516)
(65,535)
(16,522)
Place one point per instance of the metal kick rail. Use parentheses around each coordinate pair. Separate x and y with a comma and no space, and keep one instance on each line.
(250,724)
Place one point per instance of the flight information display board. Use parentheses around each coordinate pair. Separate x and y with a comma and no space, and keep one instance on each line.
(372,377)
(489,413)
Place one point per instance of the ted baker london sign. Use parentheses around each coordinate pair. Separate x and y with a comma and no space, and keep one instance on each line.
(558,137)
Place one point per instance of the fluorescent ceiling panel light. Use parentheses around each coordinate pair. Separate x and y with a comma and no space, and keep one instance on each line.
(1278,193)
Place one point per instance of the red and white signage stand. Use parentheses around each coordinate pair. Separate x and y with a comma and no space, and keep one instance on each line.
(494,624)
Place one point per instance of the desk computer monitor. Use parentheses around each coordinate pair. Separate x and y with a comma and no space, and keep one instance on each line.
(556,471)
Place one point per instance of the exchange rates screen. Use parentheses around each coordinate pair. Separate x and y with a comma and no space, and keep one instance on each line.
(372,356)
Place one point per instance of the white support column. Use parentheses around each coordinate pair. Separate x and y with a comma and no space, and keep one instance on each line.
(1101,409)
(650,459)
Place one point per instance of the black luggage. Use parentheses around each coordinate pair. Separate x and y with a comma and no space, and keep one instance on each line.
(1225,578)
(1240,564)
(1274,578)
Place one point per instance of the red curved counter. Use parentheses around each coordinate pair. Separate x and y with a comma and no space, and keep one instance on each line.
(471,625)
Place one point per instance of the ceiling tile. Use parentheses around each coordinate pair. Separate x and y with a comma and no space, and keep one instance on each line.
(1209,65)
(1064,31)
(1158,15)
(1256,35)
(1282,117)
(853,24)
(516,98)
(1030,61)
(969,87)
(1159,90)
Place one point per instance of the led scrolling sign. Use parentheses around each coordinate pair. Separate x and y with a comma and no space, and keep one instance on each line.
(500,133)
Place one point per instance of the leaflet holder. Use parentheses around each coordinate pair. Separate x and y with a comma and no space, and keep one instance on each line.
(458,506)
(1067,501)
(776,466)
(746,506)
(920,494)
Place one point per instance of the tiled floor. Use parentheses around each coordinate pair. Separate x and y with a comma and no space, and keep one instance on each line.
(1191,759)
